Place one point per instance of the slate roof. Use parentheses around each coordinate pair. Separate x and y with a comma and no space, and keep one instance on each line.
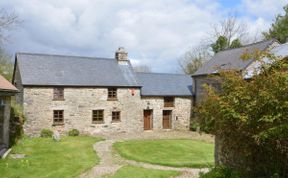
(5,85)
(58,70)
(157,84)
(231,58)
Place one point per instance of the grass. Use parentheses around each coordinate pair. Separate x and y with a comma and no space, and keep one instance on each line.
(175,153)
(139,172)
(46,158)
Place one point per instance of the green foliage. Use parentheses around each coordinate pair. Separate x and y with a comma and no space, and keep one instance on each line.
(222,43)
(194,126)
(47,158)
(279,29)
(6,65)
(46,133)
(176,153)
(73,132)
(17,120)
(250,118)
(221,172)
(139,172)
(235,43)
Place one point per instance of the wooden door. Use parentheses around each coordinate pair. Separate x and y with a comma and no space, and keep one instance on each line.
(167,119)
(147,119)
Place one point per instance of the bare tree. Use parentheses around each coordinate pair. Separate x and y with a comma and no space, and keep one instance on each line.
(8,20)
(142,68)
(230,28)
(194,59)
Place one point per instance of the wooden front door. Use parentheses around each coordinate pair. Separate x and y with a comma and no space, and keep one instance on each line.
(167,119)
(147,119)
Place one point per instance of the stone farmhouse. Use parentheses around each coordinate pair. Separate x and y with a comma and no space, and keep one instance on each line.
(7,90)
(97,95)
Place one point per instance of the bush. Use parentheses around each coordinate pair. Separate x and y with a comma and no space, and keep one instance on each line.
(220,172)
(17,120)
(194,126)
(46,133)
(73,132)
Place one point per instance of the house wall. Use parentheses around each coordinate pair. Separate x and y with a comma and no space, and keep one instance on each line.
(4,119)
(199,82)
(181,112)
(78,106)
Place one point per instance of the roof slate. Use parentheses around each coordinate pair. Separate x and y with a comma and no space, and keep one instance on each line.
(54,70)
(231,58)
(157,84)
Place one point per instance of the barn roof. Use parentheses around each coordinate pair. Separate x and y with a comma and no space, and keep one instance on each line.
(5,85)
(159,84)
(59,70)
(231,58)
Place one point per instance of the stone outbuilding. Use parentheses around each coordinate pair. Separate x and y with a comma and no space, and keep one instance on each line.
(97,95)
(7,90)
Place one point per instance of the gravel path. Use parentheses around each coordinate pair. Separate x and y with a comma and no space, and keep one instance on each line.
(110,161)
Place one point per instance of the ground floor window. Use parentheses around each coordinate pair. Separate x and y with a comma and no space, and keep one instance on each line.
(116,117)
(98,116)
(58,117)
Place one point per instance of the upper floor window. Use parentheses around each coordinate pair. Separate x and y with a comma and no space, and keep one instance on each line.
(97,116)
(58,93)
(58,117)
(116,116)
(168,101)
(112,93)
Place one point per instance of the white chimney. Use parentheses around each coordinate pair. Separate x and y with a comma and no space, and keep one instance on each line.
(121,55)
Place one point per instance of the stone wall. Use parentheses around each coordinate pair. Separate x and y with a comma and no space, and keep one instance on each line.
(78,105)
(181,112)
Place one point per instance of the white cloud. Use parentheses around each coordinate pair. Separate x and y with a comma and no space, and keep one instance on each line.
(156,33)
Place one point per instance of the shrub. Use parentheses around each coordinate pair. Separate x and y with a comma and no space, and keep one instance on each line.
(194,126)
(46,133)
(73,132)
(220,172)
(17,120)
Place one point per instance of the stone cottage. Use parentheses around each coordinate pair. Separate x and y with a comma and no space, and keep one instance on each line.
(227,60)
(96,95)
(6,91)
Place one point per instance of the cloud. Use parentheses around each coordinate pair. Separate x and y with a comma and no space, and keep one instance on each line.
(156,33)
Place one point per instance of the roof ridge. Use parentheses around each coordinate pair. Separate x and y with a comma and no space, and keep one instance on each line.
(251,44)
(159,73)
(60,55)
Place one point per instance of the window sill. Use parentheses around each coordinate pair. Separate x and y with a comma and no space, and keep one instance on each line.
(58,124)
(97,122)
(112,99)
(116,121)
(58,100)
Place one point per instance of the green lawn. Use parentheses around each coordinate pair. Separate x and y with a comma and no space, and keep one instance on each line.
(47,158)
(177,153)
(138,172)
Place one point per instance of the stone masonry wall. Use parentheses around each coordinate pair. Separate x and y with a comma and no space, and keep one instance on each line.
(78,106)
(181,112)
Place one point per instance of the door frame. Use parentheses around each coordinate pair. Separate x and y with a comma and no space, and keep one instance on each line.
(170,118)
(151,119)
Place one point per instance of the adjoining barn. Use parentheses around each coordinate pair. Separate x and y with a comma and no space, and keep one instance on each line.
(6,91)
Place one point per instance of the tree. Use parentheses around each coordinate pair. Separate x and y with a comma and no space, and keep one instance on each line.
(6,65)
(279,29)
(194,59)
(228,34)
(249,118)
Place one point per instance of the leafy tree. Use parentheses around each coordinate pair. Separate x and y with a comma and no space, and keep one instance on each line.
(249,119)
(279,28)
(6,65)
(236,43)
(220,44)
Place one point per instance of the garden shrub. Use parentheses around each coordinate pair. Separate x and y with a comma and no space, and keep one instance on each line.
(46,133)
(17,120)
(220,172)
(73,132)
(249,119)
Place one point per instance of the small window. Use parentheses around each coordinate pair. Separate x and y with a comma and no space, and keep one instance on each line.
(168,101)
(58,94)
(112,93)
(116,116)
(97,116)
(58,117)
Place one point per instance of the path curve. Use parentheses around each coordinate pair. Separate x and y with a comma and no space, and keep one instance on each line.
(110,161)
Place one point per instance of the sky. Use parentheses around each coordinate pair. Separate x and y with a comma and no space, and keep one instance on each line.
(155,33)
